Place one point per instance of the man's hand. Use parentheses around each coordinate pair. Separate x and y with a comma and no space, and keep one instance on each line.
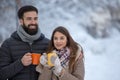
(27,59)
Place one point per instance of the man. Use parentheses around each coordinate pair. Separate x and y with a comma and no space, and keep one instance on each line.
(15,52)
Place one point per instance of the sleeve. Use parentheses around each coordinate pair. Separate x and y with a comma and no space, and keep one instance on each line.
(39,68)
(44,72)
(8,68)
(77,74)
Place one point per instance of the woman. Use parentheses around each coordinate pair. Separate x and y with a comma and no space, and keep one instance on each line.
(69,64)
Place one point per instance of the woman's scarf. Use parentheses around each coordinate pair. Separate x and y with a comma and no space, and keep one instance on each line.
(63,55)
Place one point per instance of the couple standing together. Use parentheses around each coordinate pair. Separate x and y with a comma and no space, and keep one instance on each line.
(15,52)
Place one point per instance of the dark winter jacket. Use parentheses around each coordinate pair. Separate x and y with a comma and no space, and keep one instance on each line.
(11,52)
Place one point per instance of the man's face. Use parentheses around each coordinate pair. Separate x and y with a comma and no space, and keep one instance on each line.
(29,22)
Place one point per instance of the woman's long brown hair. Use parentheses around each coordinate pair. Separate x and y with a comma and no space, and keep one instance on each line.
(71,44)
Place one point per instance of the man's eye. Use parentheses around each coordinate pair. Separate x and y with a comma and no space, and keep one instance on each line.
(29,18)
(36,18)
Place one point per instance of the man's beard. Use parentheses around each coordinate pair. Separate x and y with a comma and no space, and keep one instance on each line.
(30,31)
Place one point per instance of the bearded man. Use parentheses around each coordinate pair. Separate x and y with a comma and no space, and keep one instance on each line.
(16,51)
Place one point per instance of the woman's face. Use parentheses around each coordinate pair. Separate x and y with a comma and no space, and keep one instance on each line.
(59,40)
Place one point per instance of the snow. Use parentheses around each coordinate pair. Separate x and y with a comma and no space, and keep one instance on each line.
(102,56)
(102,61)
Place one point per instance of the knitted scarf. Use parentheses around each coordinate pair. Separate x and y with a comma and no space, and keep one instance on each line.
(63,55)
(26,37)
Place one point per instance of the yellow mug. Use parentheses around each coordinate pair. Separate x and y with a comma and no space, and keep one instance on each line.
(51,58)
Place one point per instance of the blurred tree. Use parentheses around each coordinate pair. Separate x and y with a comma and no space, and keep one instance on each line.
(18,5)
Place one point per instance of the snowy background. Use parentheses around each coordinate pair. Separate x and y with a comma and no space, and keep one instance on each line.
(95,24)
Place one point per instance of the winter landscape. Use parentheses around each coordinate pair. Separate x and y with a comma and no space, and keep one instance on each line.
(95,24)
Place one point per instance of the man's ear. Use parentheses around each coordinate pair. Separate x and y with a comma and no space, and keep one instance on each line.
(21,21)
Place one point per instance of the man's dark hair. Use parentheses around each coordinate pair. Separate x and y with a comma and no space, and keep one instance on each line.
(24,9)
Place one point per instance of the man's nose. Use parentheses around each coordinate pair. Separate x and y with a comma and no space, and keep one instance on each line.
(33,21)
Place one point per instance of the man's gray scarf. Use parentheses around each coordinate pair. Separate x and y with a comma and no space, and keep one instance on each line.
(26,37)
